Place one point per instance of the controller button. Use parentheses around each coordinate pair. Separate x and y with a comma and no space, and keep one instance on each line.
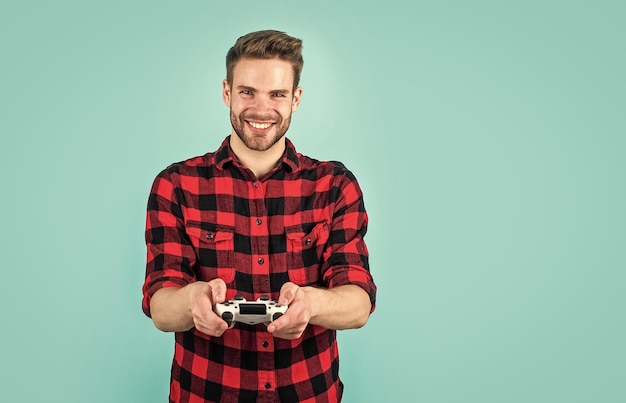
(264,298)
(228,318)
(238,297)
(277,315)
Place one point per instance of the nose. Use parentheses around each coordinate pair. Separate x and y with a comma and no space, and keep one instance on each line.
(262,104)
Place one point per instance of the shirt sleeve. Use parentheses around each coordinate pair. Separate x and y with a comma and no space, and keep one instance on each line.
(170,255)
(346,258)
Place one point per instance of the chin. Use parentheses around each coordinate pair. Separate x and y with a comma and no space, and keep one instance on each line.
(261,142)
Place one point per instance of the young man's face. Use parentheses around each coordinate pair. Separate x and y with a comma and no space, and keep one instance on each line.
(261,101)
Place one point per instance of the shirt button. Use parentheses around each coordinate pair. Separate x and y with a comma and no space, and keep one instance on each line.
(260,260)
(308,241)
(265,343)
(267,386)
(259,221)
(255,184)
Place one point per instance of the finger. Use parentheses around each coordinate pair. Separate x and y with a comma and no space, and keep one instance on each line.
(213,328)
(204,315)
(287,293)
(278,324)
(218,290)
(202,308)
(209,322)
(289,334)
(200,301)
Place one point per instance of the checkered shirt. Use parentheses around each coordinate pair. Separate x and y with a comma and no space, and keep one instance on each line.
(303,222)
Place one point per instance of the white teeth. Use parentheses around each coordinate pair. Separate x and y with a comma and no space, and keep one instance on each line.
(260,125)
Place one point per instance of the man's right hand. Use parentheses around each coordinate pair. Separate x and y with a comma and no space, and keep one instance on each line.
(203,296)
(180,309)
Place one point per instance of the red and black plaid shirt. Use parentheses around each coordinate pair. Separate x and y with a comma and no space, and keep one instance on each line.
(302,222)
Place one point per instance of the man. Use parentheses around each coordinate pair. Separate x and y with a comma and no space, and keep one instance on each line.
(257,218)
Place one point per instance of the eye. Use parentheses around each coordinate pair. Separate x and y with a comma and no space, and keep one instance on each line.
(246,92)
(278,95)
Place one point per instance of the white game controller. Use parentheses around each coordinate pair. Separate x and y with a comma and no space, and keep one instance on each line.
(251,313)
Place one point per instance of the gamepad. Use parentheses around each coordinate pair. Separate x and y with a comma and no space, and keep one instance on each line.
(251,313)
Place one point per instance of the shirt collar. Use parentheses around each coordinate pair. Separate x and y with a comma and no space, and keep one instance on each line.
(290,156)
(225,154)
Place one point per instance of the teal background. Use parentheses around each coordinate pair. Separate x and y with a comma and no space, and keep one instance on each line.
(488,137)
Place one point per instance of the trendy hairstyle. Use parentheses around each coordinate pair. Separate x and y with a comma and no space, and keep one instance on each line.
(266,44)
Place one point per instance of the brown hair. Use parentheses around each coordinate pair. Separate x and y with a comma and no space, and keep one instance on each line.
(266,44)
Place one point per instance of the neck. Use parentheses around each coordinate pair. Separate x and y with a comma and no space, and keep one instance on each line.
(259,162)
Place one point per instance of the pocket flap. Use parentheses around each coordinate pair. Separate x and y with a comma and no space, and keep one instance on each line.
(300,238)
(210,233)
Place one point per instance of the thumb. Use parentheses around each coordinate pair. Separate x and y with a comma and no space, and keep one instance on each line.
(218,290)
(287,293)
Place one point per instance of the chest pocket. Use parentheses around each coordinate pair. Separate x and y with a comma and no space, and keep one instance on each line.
(305,249)
(215,250)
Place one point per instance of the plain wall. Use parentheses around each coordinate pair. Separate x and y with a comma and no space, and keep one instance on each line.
(488,138)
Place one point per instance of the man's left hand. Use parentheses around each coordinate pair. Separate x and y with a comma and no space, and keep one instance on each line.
(291,325)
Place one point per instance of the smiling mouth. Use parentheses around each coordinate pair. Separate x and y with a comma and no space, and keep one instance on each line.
(260,128)
(259,125)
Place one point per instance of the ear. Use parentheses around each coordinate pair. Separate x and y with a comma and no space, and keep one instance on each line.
(297,95)
(226,93)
